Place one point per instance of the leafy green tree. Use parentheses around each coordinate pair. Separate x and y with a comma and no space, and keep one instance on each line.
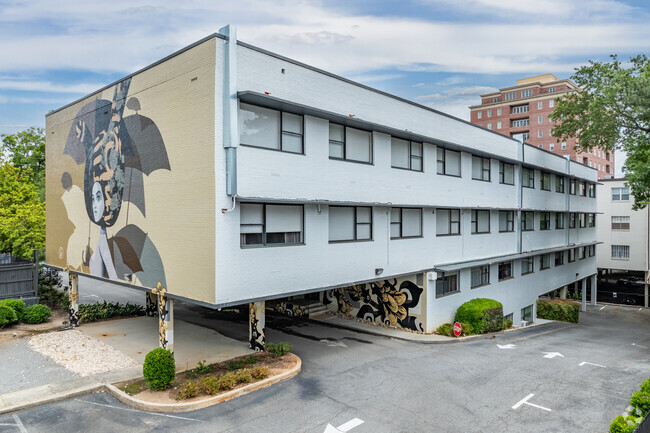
(22,213)
(612,112)
(25,150)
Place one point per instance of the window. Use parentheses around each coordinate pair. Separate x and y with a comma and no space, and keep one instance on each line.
(520,109)
(622,194)
(527,265)
(480,221)
(446,284)
(527,93)
(506,221)
(510,96)
(498,125)
(540,105)
(270,129)
(405,154)
(489,126)
(520,123)
(572,255)
(479,115)
(489,113)
(564,145)
(572,186)
(448,162)
(521,137)
(540,119)
(544,261)
(527,314)
(270,224)
(527,221)
(505,270)
(591,250)
(541,146)
(348,223)
(551,90)
(480,276)
(498,109)
(573,218)
(581,253)
(582,189)
(559,258)
(540,134)
(545,184)
(506,173)
(405,223)
(551,146)
(559,220)
(559,183)
(350,144)
(448,222)
(480,168)
(497,99)
(544,220)
(551,103)
(528,177)
(582,217)
(620,223)
(591,220)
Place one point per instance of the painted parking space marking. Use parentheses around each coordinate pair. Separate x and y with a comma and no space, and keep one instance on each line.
(590,363)
(134,410)
(19,423)
(638,345)
(506,346)
(552,355)
(345,427)
(525,401)
(601,308)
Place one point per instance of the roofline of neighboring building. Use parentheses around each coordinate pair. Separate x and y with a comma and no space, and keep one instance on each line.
(513,101)
(534,84)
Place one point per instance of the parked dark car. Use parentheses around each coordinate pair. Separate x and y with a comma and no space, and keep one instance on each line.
(625,283)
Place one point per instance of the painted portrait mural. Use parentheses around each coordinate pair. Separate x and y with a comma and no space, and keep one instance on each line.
(393,302)
(116,152)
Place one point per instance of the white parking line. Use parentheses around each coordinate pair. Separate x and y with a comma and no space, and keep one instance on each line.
(590,363)
(133,410)
(525,401)
(19,423)
(601,308)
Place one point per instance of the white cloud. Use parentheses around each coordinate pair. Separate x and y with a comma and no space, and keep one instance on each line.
(371,78)
(47,86)
(450,81)
(456,100)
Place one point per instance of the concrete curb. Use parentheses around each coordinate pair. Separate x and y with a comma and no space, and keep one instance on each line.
(195,405)
(44,394)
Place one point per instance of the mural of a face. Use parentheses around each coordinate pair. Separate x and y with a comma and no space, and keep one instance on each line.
(98,202)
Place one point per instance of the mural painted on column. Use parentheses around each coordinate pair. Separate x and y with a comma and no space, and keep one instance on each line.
(117,151)
(393,302)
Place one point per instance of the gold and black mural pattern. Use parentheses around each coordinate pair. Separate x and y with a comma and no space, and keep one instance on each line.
(257,340)
(379,302)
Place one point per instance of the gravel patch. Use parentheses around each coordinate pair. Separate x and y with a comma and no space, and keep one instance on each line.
(80,353)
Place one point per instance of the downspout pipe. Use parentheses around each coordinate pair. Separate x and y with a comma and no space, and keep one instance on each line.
(520,193)
(230,108)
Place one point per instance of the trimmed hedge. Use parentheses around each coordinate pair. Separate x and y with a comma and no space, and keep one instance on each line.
(558,309)
(482,314)
(640,403)
(159,369)
(17,305)
(7,316)
(35,314)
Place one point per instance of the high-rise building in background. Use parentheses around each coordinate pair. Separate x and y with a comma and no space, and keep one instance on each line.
(522,111)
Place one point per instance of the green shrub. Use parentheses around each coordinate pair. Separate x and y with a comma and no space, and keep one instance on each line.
(558,309)
(190,374)
(279,349)
(106,310)
(645,386)
(507,324)
(50,288)
(623,424)
(640,401)
(446,329)
(7,316)
(484,315)
(35,314)
(210,385)
(252,360)
(227,381)
(188,390)
(260,372)
(203,368)
(159,369)
(234,365)
(244,375)
(17,305)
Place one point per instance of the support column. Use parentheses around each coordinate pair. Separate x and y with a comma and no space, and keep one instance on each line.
(593,290)
(73,297)
(256,324)
(165,319)
(563,292)
(583,288)
(151,304)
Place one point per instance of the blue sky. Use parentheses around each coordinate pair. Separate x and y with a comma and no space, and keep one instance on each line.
(442,54)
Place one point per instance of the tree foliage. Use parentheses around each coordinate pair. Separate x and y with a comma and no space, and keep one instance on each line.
(25,150)
(22,213)
(612,112)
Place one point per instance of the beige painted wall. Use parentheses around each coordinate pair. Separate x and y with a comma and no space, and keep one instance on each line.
(178,96)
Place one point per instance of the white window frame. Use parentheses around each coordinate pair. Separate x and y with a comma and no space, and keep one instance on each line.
(397,221)
(358,223)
